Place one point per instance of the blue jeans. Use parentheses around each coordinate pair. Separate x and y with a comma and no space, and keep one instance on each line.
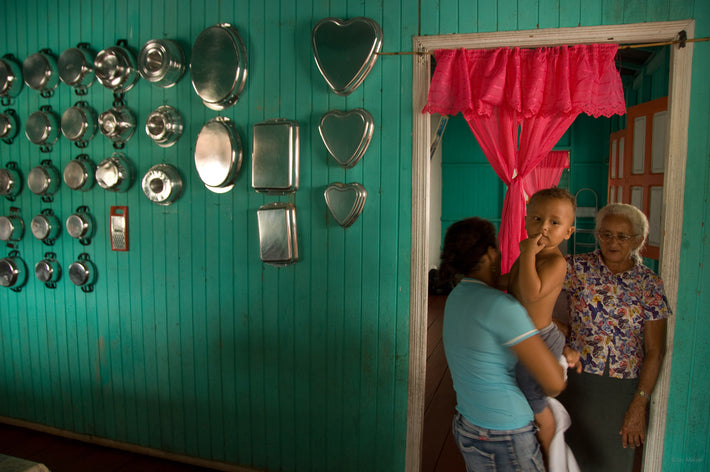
(515,450)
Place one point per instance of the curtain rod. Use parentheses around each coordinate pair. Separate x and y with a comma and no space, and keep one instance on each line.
(621,46)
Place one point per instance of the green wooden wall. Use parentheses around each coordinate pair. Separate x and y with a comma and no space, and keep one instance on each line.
(189,343)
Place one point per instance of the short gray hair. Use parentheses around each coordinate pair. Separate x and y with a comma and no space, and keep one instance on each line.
(635,217)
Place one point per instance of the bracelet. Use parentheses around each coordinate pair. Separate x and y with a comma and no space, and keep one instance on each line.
(644,394)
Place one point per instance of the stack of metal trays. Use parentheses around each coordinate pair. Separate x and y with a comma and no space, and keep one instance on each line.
(345,201)
(277,234)
(275,157)
(346,135)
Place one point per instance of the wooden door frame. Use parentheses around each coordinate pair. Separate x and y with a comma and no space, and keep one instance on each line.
(677,146)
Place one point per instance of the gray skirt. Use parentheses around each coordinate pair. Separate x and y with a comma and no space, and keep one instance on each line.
(597,405)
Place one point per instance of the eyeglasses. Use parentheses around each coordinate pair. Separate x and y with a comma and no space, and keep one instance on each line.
(608,236)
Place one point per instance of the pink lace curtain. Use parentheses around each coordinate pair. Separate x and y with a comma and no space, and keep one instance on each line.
(547,173)
(519,103)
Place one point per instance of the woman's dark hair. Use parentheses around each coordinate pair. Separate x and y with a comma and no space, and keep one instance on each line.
(466,241)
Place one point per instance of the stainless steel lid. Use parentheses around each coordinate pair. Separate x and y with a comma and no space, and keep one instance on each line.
(162,184)
(79,225)
(48,270)
(79,174)
(13,271)
(218,67)
(12,228)
(218,154)
(82,272)
(10,77)
(76,67)
(79,123)
(40,72)
(42,128)
(162,62)
(115,69)
(164,126)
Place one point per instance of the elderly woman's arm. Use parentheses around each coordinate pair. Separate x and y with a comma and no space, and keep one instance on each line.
(633,431)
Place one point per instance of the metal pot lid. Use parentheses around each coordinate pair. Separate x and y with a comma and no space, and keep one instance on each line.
(218,154)
(78,122)
(162,62)
(42,128)
(79,225)
(162,184)
(164,126)
(76,67)
(115,69)
(82,272)
(79,174)
(219,66)
(40,72)
(12,271)
(10,77)
(47,270)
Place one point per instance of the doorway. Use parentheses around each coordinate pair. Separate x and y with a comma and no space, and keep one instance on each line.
(676,150)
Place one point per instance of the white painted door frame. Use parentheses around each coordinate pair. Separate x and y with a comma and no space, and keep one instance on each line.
(677,145)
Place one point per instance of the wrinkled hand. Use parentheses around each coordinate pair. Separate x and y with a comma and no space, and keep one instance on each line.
(633,431)
(573,359)
(531,244)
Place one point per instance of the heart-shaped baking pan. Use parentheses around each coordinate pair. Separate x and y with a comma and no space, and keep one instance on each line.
(345,201)
(345,51)
(346,134)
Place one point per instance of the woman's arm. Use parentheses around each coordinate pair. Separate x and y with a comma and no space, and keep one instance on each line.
(538,359)
(633,430)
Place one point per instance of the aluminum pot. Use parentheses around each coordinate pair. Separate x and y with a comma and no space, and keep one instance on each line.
(40,72)
(8,125)
(83,273)
(42,128)
(10,181)
(12,228)
(79,124)
(164,126)
(13,271)
(218,154)
(115,173)
(115,68)
(76,67)
(161,62)
(81,225)
(79,173)
(162,184)
(10,77)
(43,180)
(46,227)
(117,124)
(48,271)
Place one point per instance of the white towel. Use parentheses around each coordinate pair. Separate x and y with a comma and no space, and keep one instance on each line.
(561,458)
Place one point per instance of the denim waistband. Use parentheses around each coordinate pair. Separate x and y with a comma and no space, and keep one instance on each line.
(493,433)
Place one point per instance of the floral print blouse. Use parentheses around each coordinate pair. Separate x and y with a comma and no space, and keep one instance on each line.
(607,313)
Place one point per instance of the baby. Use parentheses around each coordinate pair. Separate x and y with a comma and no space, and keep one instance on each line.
(536,280)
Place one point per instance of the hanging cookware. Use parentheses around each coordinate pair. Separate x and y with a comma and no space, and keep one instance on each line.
(83,273)
(76,67)
(43,180)
(46,226)
(10,78)
(278,244)
(10,181)
(40,72)
(164,126)
(12,228)
(115,68)
(42,128)
(275,156)
(79,173)
(218,154)
(346,135)
(162,184)
(161,62)
(117,124)
(218,66)
(115,173)
(48,271)
(8,125)
(81,225)
(79,124)
(13,271)
(345,201)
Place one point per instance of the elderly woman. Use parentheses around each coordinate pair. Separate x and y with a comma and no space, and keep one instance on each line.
(617,321)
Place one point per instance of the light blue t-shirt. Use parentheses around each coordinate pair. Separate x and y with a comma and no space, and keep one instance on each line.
(481,323)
